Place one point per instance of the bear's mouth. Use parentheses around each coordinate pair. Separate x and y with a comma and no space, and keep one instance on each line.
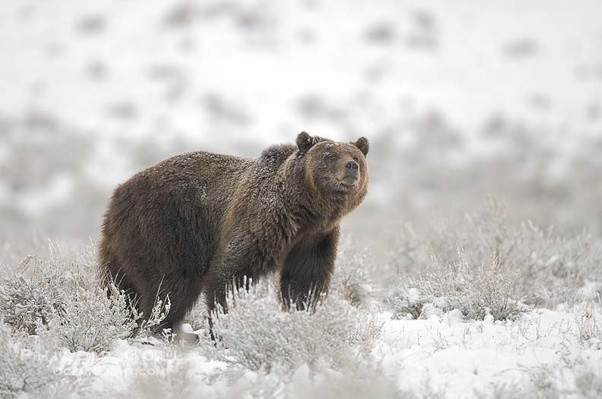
(347,184)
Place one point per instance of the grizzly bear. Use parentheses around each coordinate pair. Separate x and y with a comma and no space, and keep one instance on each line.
(201,222)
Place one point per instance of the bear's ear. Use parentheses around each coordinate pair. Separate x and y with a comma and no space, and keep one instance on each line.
(363,144)
(305,141)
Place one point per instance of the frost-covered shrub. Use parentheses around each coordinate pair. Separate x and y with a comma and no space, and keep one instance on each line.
(483,265)
(352,281)
(62,301)
(353,276)
(26,304)
(549,382)
(90,321)
(260,334)
(476,290)
(411,303)
(588,317)
(23,368)
(147,325)
(34,293)
(197,316)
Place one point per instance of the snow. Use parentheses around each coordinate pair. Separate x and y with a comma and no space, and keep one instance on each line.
(87,63)
(447,354)
(461,358)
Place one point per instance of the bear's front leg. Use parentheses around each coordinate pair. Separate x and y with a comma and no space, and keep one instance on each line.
(307,269)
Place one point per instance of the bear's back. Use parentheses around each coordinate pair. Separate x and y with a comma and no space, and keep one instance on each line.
(181,184)
(170,213)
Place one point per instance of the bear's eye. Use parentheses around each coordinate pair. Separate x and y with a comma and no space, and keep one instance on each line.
(356,158)
(329,156)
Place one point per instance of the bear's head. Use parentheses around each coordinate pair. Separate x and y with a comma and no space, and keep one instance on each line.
(335,169)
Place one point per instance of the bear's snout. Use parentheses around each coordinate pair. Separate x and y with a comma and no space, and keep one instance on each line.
(352,169)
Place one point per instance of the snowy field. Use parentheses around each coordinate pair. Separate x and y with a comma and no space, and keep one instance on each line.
(514,312)
(473,268)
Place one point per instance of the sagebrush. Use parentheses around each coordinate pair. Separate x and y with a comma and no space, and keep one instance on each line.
(261,334)
(483,265)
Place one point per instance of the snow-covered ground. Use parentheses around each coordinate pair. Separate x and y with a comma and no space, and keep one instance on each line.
(520,316)
(463,359)
(542,354)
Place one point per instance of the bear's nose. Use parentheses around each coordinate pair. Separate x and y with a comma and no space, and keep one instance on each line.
(351,168)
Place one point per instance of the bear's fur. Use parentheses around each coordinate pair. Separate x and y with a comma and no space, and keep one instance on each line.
(199,222)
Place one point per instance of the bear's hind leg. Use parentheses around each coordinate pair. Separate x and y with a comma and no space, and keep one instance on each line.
(178,293)
(227,274)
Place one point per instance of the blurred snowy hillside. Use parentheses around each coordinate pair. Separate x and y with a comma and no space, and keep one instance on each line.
(461,100)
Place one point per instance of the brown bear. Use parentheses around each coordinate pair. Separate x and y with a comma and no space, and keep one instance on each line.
(199,222)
